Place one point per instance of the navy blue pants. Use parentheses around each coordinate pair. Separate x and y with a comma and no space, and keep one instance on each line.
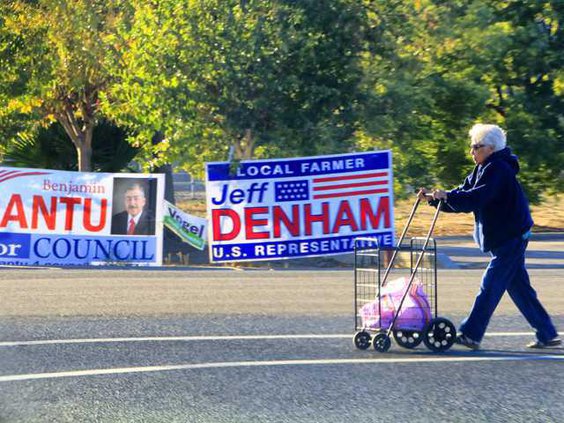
(507,272)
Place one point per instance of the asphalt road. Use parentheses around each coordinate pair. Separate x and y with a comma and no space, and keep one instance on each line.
(254,346)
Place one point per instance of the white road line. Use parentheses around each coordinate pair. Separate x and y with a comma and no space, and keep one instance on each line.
(171,338)
(204,338)
(510,333)
(228,364)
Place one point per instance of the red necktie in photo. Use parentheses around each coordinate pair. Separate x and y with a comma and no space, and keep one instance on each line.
(131,227)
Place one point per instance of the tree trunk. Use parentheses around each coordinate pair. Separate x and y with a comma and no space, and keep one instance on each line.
(245,147)
(80,137)
(159,137)
(84,153)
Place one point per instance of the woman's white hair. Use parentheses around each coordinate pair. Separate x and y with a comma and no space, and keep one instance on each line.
(491,135)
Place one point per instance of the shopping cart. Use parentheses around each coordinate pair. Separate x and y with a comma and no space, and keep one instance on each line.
(395,293)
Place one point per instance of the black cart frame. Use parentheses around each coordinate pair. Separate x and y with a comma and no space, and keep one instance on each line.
(415,259)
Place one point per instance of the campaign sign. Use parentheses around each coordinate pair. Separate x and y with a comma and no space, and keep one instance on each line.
(50,217)
(302,207)
(190,229)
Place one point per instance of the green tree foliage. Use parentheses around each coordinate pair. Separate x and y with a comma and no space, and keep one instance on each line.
(421,101)
(276,78)
(54,55)
(272,78)
(527,87)
(49,148)
(451,64)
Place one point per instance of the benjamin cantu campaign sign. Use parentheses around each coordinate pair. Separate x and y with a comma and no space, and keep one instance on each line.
(289,208)
(50,217)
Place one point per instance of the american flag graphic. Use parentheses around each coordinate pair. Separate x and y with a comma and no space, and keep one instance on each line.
(6,175)
(348,185)
(291,190)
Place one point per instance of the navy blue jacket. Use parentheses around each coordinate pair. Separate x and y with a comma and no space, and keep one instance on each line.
(493,194)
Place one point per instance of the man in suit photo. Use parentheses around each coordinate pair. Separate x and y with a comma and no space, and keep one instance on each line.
(135,219)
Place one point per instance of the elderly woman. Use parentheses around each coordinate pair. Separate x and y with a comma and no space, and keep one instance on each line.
(502,228)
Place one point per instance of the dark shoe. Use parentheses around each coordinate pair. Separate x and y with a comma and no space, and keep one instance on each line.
(554,342)
(467,342)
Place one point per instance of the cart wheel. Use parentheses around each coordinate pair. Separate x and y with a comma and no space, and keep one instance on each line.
(381,342)
(407,338)
(439,335)
(361,340)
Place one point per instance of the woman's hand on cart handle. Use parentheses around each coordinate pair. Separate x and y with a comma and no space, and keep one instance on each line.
(440,195)
(425,194)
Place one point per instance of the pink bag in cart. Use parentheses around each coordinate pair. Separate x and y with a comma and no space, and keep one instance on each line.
(415,311)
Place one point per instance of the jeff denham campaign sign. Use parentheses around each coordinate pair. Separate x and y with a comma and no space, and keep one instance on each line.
(289,208)
(50,217)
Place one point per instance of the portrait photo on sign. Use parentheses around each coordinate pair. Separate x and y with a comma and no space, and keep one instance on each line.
(133,210)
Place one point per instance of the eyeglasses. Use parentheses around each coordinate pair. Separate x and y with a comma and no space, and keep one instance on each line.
(476,147)
(133,197)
